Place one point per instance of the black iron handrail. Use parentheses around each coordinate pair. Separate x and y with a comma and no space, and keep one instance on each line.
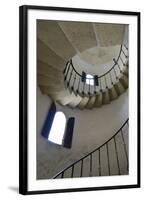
(104,73)
(98,149)
(76,82)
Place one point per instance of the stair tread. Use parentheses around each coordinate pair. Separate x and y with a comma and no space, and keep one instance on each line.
(80,34)
(46,55)
(124,81)
(119,88)
(53,36)
(91,102)
(105,97)
(113,94)
(98,101)
(109,34)
(83,102)
(75,101)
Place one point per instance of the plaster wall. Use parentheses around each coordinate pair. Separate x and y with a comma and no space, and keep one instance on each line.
(92,128)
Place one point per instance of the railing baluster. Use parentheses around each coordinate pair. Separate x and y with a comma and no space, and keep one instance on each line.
(117,156)
(72,172)
(115,73)
(70,77)
(125,148)
(97,150)
(67,71)
(65,67)
(74,82)
(100,85)
(94,89)
(89,88)
(78,85)
(81,173)
(111,78)
(91,164)
(108,158)
(99,163)
(83,92)
(124,53)
(122,60)
(116,62)
(106,82)
(62,174)
(125,47)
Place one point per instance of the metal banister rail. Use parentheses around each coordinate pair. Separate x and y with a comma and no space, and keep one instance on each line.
(73,78)
(81,160)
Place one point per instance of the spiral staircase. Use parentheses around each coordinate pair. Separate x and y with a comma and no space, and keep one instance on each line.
(58,77)
(59,42)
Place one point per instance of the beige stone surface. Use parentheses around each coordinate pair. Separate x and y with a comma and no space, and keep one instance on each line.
(109,34)
(80,34)
(105,97)
(89,133)
(98,101)
(52,35)
(75,102)
(119,88)
(45,69)
(45,54)
(58,41)
(113,93)
(91,102)
(83,102)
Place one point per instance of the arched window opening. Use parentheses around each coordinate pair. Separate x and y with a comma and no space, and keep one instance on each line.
(89,79)
(58,128)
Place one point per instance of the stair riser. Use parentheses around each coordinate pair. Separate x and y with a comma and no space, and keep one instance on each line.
(91,102)
(124,82)
(105,98)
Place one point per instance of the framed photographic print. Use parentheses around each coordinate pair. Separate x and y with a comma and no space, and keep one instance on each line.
(79,100)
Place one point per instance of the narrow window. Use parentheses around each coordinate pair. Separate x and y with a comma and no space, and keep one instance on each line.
(58,128)
(89,79)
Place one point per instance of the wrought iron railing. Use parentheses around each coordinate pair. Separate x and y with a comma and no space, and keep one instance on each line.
(120,163)
(74,80)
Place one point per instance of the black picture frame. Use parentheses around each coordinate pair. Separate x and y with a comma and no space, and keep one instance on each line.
(23,97)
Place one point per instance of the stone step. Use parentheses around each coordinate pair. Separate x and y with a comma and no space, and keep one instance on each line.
(98,101)
(124,81)
(80,34)
(66,100)
(126,71)
(50,33)
(113,94)
(48,80)
(46,55)
(105,97)
(119,88)
(109,34)
(45,69)
(51,89)
(83,102)
(91,102)
(75,101)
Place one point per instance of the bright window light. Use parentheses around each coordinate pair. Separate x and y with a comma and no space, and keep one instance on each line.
(89,81)
(58,128)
